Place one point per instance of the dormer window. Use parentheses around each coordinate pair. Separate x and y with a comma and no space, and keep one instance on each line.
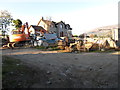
(51,25)
(67,27)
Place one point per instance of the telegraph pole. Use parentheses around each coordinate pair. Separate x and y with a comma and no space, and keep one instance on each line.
(84,41)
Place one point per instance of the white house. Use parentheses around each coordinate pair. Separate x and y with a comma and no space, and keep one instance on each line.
(116,35)
(33,29)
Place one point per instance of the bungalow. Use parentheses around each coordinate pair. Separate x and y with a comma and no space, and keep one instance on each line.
(33,29)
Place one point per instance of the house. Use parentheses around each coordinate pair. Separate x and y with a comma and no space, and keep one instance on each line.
(63,29)
(60,28)
(33,29)
(116,35)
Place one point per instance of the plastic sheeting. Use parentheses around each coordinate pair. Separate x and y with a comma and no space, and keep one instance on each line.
(50,36)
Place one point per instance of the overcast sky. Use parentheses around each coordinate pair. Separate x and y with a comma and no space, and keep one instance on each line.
(82,15)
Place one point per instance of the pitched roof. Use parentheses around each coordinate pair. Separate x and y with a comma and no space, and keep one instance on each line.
(48,22)
(37,27)
(55,24)
(60,22)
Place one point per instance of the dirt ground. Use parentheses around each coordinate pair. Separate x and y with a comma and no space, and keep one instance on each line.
(69,70)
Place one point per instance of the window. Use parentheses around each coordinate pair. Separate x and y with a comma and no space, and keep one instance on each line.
(16,32)
(61,34)
(67,27)
(61,26)
(51,25)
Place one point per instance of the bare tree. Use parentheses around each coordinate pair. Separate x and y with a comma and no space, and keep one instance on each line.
(49,18)
(5,20)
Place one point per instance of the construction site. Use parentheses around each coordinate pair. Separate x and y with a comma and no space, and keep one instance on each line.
(58,60)
(57,36)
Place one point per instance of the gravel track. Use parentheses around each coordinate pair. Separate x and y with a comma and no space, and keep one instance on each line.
(75,70)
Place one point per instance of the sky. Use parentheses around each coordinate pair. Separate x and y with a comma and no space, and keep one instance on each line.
(82,15)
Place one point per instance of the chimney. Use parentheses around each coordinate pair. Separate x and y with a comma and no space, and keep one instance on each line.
(42,18)
(27,25)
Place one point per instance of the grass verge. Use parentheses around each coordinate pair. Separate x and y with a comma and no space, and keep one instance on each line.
(16,74)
